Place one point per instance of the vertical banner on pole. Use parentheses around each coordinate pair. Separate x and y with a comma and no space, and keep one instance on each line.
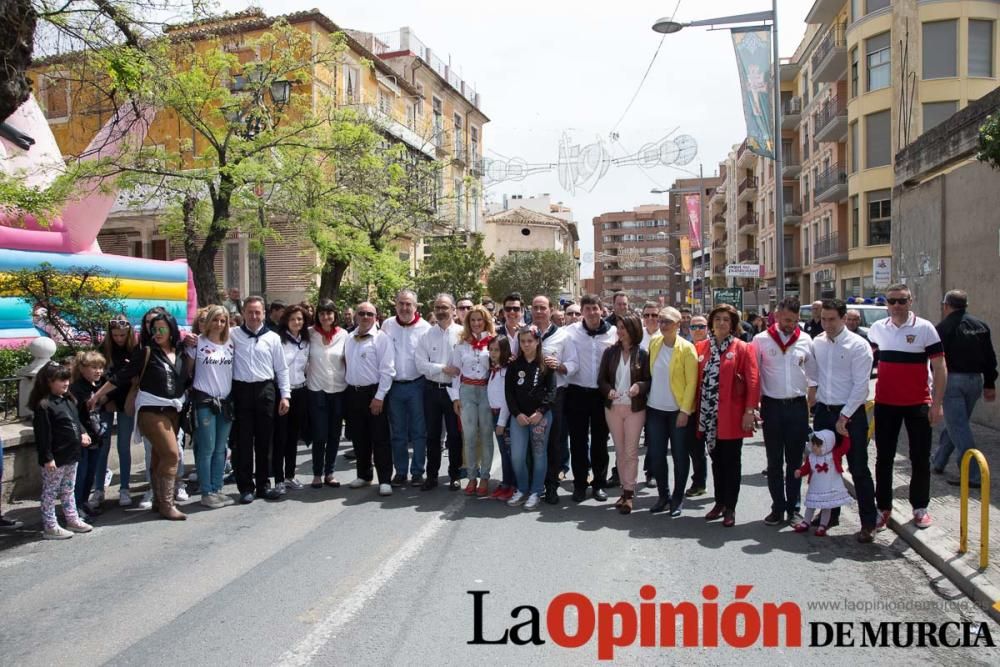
(685,255)
(693,204)
(753,59)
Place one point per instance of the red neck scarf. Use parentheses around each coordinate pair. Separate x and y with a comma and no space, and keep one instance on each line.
(416,318)
(773,332)
(482,343)
(327,337)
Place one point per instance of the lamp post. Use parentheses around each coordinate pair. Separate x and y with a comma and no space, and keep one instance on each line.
(668,26)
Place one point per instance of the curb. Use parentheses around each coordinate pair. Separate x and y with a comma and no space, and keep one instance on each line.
(932,545)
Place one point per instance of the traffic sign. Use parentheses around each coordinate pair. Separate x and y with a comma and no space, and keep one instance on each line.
(731,295)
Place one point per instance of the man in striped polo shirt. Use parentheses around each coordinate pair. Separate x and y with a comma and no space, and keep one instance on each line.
(905,344)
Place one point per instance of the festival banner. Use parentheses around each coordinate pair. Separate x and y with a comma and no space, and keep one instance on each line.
(753,59)
(685,255)
(693,204)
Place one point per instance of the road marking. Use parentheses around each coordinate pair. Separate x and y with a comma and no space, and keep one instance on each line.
(307,649)
(11,562)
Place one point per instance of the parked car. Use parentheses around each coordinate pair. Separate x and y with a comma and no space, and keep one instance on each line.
(870,313)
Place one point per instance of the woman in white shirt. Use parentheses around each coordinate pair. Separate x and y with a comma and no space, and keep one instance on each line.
(469,394)
(213,382)
(288,427)
(326,381)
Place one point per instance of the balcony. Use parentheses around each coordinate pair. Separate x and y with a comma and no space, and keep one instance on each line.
(719,221)
(791,213)
(831,185)
(459,153)
(719,245)
(791,113)
(748,224)
(791,166)
(747,189)
(829,249)
(831,121)
(829,60)
(748,255)
(718,197)
(744,156)
(824,11)
(476,162)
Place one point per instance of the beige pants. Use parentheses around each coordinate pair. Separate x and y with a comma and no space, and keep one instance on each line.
(626,427)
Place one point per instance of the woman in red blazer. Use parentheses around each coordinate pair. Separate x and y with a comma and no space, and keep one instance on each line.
(728,394)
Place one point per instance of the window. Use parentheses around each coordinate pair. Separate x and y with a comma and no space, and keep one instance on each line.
(936,113)
(231,263)
(980,48)
(55,96)
(352,85)
(384,103)
(854,72)
(856,9)
(459,137)
(852,146)
(878,151)
(805,88)
(805,192)
(459,202)
(877,66)
(805,247)
(438,110)
(875,5)
(940,49)
(474,142)
(855,223)
(879,217)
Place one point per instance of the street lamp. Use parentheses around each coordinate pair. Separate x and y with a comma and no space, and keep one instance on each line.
(668,26)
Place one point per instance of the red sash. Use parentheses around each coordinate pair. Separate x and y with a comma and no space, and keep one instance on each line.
(772,331)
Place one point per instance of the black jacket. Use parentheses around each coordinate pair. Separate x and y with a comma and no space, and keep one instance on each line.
(58,431)
(527,389)
(162,378)
(639,374)
(91,419)
(813,328)
(968,346)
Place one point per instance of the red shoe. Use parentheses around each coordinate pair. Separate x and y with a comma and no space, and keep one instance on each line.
(498,494)
(470,487)
(820,531)
(508,493)
(484,488)
(801,527)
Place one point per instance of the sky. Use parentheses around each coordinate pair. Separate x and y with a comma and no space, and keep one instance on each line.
(549,68)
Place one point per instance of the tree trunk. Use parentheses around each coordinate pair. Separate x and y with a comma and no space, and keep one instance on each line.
(17,36)
(202,260)
(331,277)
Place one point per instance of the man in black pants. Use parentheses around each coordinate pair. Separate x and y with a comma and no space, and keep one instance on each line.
(258,361)
(584,408)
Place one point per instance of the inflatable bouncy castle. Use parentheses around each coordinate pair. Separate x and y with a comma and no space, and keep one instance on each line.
(28,151)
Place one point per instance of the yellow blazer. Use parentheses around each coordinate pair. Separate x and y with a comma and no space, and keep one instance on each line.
(683,371)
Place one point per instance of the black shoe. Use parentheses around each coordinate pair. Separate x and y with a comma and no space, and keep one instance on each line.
(956,481)
(579,494)
(599,494)
(10,524)
(417,480)
(428,484)
(695,491)
(774,518)
(551,496)
(246,498)
(398,480)
(351,455)
(660,506)
(614,481)
(269,494)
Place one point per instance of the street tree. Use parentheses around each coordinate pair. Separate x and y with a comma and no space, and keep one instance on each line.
(530,273)
(456,265)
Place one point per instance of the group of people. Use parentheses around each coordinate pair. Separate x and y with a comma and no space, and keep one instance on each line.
(546,397)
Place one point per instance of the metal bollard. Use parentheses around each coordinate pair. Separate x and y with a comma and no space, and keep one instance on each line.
(984,519)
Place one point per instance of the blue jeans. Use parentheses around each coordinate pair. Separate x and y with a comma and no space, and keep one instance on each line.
(124,444)
(477,430)
(90,473)
(506,460)
(211,436)
(326,414)
(406,426)
(662,431)
(960,397)
(538,438)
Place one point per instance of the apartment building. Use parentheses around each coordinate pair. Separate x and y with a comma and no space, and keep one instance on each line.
(704,188)
(638,252)
(868,78)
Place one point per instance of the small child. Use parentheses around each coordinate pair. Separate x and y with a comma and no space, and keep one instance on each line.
(88,376)
(59,436)
(500,357)
(825,471)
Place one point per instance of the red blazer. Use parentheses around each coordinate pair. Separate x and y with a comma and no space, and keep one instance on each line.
(733,403)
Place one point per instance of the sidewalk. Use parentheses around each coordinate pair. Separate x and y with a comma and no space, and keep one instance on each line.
(938,544)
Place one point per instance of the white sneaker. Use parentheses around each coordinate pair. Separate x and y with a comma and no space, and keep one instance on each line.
(124,499)
(147,501)
(385,489)
(293,484)
(532,502)
(210,501)
(359,483)
(57,533)
(516,500)
(281,488)
(224,499)
(180,493)
(79,527)
(95,500)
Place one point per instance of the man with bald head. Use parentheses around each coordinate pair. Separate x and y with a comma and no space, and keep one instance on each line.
(813,327)
(369,356)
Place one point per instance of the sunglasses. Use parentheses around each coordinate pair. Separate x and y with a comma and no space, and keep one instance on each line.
(119,324)
(647,316)
(699,326)
(900,302)
(512,309)
(161,330)
(365,313)
(464,307)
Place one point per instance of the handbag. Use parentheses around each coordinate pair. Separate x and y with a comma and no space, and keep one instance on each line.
(134,389)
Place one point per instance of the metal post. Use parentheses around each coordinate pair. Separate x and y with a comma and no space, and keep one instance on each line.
(701,232)
(779,181)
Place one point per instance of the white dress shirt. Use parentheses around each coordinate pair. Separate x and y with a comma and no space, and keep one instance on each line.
(589,350)
(404,346)
(296,358)
(844,367)
(646,337)
(259,358)
(370,361)
(434,352)
(661,396)
(326,371)
(473,364)
(496,393)
(515,345)
(785,374)
(556,343)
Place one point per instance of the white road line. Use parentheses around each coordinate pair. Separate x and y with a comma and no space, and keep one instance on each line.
(11,562)
(307,649)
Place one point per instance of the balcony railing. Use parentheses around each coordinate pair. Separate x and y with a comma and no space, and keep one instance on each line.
(835,38)
(719,220)
(826,247)
(748,255)
(833,111)
(459,154)
(792,106)
(792,210)
(748,218)
(834,178)
(719,244)
(748,183)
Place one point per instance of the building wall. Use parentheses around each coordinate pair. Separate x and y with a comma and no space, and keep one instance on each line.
(642,280)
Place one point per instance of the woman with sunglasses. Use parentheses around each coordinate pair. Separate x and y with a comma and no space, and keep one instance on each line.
(118,347)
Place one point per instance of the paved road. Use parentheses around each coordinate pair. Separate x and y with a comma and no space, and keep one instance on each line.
(341,577)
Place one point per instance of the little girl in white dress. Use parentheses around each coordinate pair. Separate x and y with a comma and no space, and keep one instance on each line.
(824,471)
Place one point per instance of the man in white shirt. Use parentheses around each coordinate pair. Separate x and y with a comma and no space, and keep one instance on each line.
(650,313)
(513,316)
(843,366)
(787,365)
(405,401)
(433,359)
(584,409)
(368,355)
(258,361)
(560,356)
